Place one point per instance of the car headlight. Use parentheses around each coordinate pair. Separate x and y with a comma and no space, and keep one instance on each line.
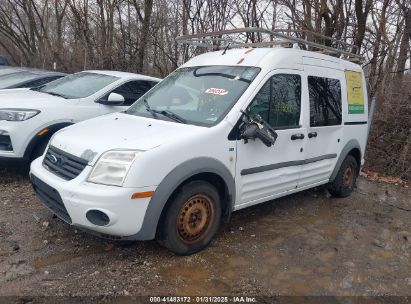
(112,167)
(17,114)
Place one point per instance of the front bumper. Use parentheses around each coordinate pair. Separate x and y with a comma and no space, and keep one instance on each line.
(12,143)
(77,197)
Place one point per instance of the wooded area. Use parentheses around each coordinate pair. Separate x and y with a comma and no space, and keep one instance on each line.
(138,36)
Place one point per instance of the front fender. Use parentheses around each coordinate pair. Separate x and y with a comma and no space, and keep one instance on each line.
(172,181)
(38,136)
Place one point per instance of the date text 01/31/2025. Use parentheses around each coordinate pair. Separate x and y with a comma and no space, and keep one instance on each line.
(203,299)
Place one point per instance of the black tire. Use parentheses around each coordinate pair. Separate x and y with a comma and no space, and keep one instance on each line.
(344,183)
(195,208)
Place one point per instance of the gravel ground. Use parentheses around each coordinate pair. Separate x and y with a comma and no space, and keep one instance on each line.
(304,244)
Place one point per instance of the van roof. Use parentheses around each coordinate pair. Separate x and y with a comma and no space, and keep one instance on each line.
(271,58)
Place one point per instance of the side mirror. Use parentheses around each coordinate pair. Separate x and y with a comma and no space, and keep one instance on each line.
(113,99)
(258,128)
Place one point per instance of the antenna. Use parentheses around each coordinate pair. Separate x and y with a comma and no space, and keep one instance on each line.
(226,48)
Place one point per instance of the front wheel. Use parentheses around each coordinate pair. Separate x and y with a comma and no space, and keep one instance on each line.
(344,182)
(192,219)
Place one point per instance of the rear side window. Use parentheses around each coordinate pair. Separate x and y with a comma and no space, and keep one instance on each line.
(325,101)
(279,101)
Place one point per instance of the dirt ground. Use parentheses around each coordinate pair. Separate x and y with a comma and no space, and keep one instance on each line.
(304,244)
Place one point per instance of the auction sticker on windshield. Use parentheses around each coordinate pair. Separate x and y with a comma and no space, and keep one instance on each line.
(216,91)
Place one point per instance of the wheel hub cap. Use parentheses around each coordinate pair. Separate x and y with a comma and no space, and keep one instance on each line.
(348,177)
(195,218)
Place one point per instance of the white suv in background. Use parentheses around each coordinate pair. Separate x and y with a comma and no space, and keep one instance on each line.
(28,118)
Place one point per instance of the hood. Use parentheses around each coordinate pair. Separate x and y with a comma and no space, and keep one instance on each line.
(27,99)
(93,137)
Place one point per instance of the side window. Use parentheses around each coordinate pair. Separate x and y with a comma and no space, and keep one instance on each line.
(125,91)
(261,102)
(325,101)
(133,90)
(279,101)
(140,87)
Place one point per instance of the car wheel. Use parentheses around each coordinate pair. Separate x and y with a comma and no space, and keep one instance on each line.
(344,182)
(192,218)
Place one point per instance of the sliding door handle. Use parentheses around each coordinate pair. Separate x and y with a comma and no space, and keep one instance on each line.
(297,136)
(312,134)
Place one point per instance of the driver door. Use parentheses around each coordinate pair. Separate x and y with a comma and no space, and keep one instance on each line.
(265,172)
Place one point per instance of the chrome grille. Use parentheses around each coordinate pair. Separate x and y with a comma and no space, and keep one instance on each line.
(63,164)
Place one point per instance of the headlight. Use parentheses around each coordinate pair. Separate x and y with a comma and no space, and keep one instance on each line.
(17,114)
(112,167)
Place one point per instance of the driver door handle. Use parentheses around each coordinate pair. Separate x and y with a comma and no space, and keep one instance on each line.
(312,134)
(297,136)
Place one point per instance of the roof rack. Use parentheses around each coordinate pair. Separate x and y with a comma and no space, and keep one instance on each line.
(278,37)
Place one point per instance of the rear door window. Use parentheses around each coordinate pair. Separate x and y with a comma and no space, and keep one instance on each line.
(325,101)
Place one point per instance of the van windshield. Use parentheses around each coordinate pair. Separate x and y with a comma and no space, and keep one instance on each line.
(196,95)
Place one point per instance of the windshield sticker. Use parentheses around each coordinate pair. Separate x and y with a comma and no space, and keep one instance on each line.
(216,91)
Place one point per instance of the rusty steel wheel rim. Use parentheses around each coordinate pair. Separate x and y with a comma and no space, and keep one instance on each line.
(348,177)
(195,218)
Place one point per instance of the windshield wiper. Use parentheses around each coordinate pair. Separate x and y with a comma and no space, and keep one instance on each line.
(171,115)
(56,94)
(149,109)
(165,113)
(38,88)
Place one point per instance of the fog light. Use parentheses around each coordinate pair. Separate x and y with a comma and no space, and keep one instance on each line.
(5,143)
(98,218)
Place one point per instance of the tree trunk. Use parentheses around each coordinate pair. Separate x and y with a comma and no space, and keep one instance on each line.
(144,35)
(405,43)
(362,14)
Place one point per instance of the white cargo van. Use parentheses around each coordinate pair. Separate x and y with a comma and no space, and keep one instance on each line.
(227,130)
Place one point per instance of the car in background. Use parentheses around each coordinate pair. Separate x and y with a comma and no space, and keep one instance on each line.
(4,61)
(4,70)
(18,78)
(28,118)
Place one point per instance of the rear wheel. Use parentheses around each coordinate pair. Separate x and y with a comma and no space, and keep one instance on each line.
(192,218)
(344,182)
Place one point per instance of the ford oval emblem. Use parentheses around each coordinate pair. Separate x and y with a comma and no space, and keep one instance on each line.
(53,159)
